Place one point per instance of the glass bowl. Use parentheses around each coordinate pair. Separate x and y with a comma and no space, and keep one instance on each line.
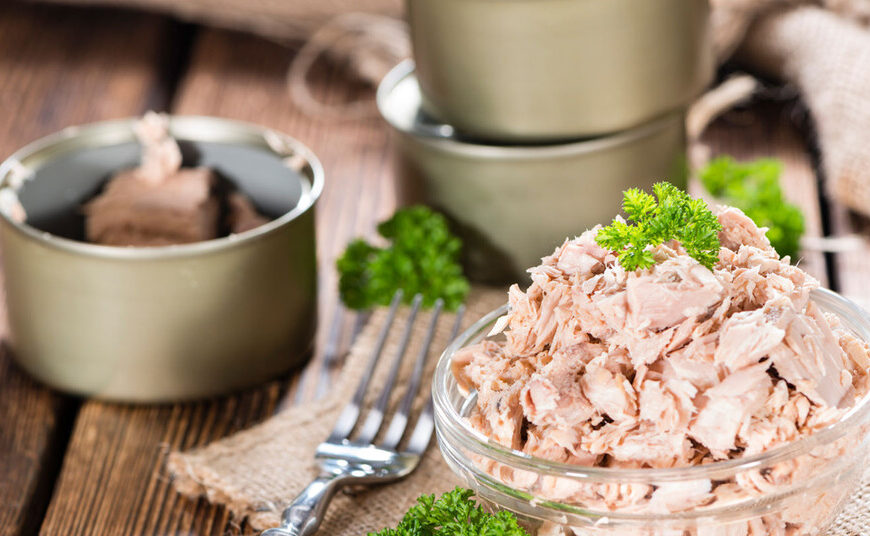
(794,489)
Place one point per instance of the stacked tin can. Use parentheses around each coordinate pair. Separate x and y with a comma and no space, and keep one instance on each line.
(524,120)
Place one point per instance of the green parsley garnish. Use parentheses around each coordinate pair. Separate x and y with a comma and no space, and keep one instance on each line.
(754,188)
(670,215)
(453,514)
(422,257)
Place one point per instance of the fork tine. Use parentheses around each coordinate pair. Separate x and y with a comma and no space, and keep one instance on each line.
(422,433)
(349,415)
(400,420)
(375,417)
(324,383)
(330,355)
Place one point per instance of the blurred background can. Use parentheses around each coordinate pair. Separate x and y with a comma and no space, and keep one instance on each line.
(536,70)
(513,204)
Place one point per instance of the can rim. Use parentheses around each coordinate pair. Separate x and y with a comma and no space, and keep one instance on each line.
(207,128)
(442,136)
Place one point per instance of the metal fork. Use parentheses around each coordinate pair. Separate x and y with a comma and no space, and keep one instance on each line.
(358,461)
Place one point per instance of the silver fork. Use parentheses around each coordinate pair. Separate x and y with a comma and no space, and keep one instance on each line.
(358,461)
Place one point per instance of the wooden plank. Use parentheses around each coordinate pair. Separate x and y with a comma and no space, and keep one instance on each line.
(112,482)
(765,130)
(34,426)
(852,266)
(59,67)
(62,66)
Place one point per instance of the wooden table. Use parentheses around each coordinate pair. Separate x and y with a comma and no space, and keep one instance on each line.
(79,467)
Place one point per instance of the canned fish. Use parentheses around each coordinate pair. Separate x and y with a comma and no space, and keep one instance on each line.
(160,323)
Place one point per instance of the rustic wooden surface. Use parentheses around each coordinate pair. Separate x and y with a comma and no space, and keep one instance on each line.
(71,467)
(59,67)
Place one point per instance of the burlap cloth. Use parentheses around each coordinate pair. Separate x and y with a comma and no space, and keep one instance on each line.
(822,47)
(255,473)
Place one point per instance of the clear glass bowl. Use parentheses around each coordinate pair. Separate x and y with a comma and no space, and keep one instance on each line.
(791,490)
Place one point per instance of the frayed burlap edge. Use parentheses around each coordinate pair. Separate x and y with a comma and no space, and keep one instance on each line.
(255,473)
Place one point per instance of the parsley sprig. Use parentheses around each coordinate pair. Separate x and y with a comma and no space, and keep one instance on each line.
(671,215)
(422,256)
(754,188)
(453,514)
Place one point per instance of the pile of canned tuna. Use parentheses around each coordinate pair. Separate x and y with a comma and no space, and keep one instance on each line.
(523,121)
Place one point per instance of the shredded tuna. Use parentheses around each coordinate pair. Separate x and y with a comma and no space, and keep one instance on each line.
(160,203)
(161,156)
(676,365)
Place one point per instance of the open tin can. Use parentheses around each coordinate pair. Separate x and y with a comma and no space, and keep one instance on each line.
(544,70)
(160,323)
(513,204)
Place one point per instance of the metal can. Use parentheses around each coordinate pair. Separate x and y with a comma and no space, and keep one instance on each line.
(160,323)
(544,70)
(513,204)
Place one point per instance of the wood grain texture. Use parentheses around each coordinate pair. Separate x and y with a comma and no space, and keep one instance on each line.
(852,267)
(767,130)
(112,481)
(62,66)
(34,425)
(58,67)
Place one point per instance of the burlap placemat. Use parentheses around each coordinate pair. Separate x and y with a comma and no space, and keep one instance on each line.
(256,473)
(855,518)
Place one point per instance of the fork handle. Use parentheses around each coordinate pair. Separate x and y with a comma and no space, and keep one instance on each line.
(305,513)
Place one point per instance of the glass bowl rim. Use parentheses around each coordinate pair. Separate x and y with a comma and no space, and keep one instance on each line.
(447,415)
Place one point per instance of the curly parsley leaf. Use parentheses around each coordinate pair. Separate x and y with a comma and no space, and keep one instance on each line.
(671,214)
(422,257)
(453,514)
(754,188)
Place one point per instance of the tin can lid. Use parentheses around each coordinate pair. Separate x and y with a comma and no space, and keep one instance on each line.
(82,156)
(400,103)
